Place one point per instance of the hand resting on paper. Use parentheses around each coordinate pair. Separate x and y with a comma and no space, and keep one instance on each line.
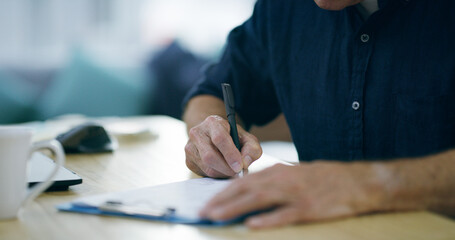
(305,193)
(326,190)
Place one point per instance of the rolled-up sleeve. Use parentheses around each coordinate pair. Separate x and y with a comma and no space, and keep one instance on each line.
(245,65)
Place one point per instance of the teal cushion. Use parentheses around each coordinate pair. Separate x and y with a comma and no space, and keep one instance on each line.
(89,88)
(16,99)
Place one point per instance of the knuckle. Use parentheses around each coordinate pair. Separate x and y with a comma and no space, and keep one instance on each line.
(257,152)
(193,133)
(253,138)
(217,120)
(189,148)
(254,150)
(290,216)
(240,188)
(210,172)
(192,166)
(218,139)
(213,119)
(189,164)
(310,203)
(208,158)
(260,195)
(224,124)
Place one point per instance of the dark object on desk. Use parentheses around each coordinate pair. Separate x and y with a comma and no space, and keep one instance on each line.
(87,138)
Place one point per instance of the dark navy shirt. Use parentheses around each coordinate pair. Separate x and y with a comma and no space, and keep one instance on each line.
(350,88)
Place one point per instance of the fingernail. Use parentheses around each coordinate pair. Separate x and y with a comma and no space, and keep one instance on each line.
(247,160)
(236,167)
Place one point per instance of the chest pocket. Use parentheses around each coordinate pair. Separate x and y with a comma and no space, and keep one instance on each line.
(424,124)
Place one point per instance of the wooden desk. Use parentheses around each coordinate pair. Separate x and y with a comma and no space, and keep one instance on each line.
(161,160)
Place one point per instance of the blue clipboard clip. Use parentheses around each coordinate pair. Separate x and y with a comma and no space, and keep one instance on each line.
(132,210)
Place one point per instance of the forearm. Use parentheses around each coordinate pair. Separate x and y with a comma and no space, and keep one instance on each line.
(276,130)
(200,107)
(420,183)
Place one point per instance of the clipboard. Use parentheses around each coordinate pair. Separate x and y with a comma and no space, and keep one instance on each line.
(178,202)
(156,203)
(68,207)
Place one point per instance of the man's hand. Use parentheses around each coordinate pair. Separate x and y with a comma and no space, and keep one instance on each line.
(211,152)
(304,193)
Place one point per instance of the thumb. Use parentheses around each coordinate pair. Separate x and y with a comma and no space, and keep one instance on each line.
(251,149)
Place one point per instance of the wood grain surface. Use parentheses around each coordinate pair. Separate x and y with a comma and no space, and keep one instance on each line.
(159,158)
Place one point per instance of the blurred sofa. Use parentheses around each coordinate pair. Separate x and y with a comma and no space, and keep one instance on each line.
(85,85)
(175,70)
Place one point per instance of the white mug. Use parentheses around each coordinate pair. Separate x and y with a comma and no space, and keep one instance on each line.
(16,148)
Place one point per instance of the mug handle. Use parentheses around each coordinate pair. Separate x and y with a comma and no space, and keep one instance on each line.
(57,149)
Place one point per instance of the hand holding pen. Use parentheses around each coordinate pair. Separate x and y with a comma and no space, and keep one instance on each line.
(212,152)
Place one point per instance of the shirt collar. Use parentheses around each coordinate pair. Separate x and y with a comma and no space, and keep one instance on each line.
(384,3)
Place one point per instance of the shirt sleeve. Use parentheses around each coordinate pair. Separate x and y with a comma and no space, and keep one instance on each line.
(245,65)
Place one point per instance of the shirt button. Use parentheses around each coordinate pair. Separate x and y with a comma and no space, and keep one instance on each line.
(364,37)
(355,105)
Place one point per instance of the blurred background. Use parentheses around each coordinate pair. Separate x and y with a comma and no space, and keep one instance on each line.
(107,57)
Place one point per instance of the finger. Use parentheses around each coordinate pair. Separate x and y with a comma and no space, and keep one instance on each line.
(209,173)
(194,168)
(239,187)
(208,157)
(220,137)
(191,155)
(279,217)
(243,205)
(251,149)
(240,204)
(212,159)
(233,190)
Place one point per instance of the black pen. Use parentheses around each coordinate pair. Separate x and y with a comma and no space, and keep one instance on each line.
(230,112)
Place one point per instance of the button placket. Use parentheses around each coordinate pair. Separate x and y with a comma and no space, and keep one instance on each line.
(360,61)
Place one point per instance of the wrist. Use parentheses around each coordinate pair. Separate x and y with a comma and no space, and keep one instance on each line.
(200,107)
(373,189)
(388,188)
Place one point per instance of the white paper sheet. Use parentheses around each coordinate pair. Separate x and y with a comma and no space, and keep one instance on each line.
(186,197)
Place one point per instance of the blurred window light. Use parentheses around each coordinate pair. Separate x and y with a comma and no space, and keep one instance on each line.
(200,25)
(43,33)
